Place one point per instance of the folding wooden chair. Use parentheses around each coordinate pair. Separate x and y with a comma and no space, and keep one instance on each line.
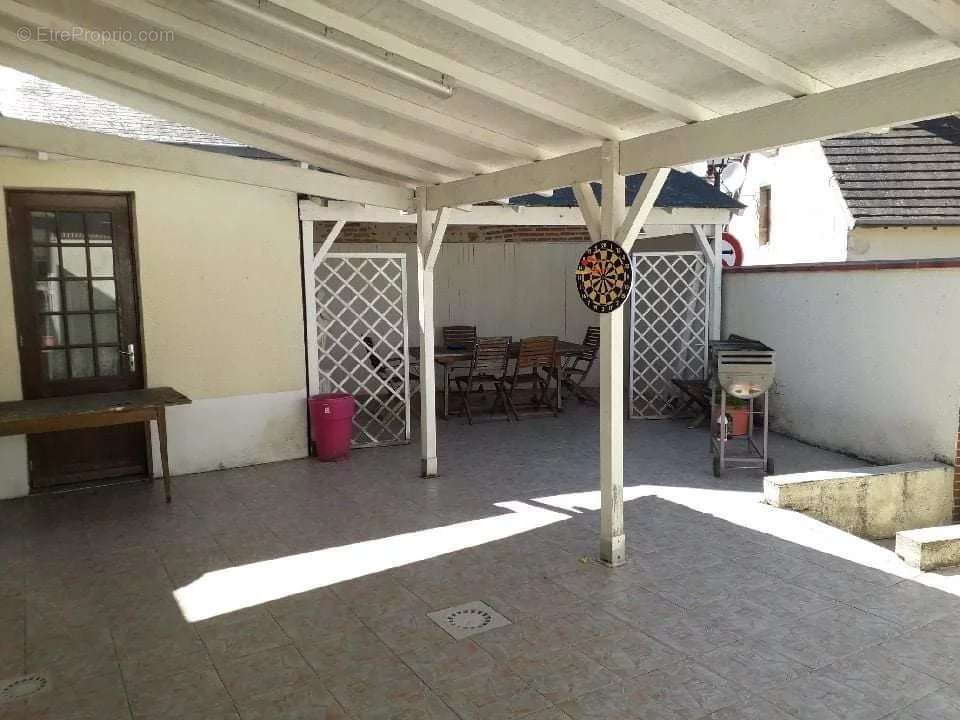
(577,368)
(489,365)
(534,366)
(458,337)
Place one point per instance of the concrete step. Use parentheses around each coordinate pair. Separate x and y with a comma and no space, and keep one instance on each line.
(871,502)
(930,548)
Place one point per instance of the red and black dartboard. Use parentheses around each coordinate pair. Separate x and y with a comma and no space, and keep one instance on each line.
(604,276)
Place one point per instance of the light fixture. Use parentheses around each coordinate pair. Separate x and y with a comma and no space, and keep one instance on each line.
(439,88)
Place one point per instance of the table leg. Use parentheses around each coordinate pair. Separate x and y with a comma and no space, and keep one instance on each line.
(164,461)
(446,391)
(559,390)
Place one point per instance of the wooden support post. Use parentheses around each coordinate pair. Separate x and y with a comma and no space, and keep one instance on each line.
(327,243)
(622,227)
(310,307)
(716,294)
(613,548)
(430,230)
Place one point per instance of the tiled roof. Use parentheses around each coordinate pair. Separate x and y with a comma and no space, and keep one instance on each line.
(682,189)
(908,176)
(25,97)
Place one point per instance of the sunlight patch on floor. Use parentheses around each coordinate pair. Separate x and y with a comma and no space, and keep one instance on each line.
(231,589)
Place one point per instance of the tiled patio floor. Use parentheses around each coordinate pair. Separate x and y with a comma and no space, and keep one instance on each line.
(308,585)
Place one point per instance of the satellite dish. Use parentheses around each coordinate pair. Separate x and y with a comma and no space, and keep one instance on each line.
(733,175)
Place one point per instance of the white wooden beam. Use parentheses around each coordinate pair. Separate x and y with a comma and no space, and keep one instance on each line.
(613,545)
(315,76)
(641,207)
(536,45)
(515,215)
(151,96)
(940,16)
(246,93)
(704,242)
(199,163)
(327,243)
(464,75)
(717,45)
(582,166)
(436,237)
(904,97)
(589,208)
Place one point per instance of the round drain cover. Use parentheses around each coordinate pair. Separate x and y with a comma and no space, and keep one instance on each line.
(469,619)
(22,687)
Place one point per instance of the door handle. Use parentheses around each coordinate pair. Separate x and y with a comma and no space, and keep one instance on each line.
(131,355)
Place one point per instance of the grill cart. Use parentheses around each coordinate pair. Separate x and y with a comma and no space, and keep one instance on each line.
(742,369)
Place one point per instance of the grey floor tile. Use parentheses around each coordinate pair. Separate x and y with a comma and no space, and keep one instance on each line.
(241,633)
(943,704)
(328,654)
(754,665)
(877,674)
(630,653)
(185,692)
(820,698)
(753,708)
(264,671)
(686,689)
(304,702)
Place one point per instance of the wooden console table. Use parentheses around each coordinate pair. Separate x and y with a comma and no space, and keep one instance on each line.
(76,412)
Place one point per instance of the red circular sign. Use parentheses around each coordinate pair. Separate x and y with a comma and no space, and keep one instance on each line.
(731,252)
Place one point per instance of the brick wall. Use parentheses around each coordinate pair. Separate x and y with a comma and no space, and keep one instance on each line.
(355,232)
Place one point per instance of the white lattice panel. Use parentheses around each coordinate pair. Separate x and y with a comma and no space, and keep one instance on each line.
(362,342)
(669,324)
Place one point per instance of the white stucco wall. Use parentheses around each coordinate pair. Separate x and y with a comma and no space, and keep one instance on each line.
(898,243)
(808,218)
(866,360)
(219,275)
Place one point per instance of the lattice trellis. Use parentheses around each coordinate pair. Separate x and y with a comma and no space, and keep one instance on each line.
(362,341)
(669,326)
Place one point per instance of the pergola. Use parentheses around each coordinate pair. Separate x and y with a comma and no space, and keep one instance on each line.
(432,106)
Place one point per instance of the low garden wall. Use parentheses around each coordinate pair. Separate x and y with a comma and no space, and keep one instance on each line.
(868,353)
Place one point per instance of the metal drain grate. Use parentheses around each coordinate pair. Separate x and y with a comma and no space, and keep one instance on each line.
(468,619)
(22,687)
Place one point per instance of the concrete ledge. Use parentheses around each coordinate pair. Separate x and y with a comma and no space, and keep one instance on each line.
(870,502)
(930,548)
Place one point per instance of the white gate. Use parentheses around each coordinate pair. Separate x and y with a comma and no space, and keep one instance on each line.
(362,345)
(669,326)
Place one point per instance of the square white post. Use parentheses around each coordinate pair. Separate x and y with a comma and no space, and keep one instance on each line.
(429,238)
(621,227)
(716,306)
(613,548)
(310,307)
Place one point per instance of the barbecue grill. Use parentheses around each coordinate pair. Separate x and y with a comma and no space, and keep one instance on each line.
(743,369)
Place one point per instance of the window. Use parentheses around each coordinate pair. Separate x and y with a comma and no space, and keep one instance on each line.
(763,215)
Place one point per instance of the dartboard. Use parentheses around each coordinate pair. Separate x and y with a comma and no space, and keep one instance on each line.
(604,276)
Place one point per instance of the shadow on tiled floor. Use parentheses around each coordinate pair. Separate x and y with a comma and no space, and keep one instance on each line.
(307,587)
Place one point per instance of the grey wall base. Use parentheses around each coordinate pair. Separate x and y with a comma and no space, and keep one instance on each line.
(871,502)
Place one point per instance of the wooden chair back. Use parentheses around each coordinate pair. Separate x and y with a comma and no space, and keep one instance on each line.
(534,352)
(460,335)
(591,344)
(490,356)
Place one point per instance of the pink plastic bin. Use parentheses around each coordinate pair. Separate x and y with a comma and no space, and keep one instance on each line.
(331,424)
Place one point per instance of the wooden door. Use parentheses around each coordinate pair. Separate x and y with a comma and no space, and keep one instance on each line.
(78,324)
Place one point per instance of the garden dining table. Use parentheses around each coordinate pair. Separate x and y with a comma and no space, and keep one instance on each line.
(447,359)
